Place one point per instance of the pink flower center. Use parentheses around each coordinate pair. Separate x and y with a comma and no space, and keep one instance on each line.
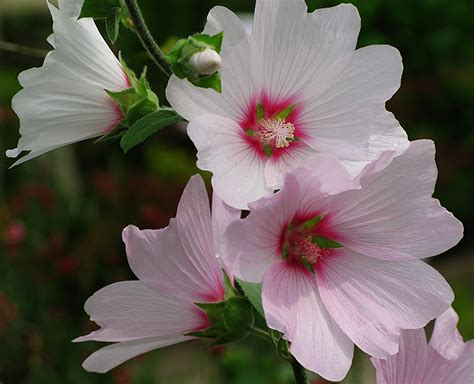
(272,127)
(276,133)
(306,241)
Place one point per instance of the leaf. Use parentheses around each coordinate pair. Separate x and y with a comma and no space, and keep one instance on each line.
(99,9)
(112,23)
(147,126)
(324,242)
(253,292)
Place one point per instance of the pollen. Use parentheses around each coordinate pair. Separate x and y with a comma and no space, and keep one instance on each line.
(276,133)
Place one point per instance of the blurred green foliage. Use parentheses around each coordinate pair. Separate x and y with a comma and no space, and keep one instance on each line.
(61,215)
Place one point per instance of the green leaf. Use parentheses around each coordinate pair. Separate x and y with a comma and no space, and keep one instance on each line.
(147,126)
(253,292)
(214,42)
(99,9)
(311,223)
(324,242)
(112,23)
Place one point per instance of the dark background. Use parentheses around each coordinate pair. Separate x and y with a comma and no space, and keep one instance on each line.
(61,214)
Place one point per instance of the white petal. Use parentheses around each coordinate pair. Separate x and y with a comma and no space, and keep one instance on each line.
(241,75)
(303,51)
(277,167)
(372,299)
(221,19)
(238,169)
(71,8)
(293,306)
(109,357)
(129,310)
(349,119)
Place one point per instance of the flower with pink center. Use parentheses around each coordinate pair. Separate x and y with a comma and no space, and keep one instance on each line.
(446,359)
(294,87)
(177,267)
(339,257)
(65,101)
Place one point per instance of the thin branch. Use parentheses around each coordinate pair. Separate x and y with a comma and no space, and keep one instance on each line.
(146,38)
(22,50)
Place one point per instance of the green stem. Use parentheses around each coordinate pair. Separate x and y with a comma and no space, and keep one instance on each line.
(260,333)
(298,371)
(27,51)
(146,38)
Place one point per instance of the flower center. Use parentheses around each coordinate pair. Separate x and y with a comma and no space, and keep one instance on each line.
(276,133)
(303,242)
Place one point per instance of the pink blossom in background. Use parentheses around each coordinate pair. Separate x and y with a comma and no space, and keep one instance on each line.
(177,267)
(339,257)
(65,101)
(294,87)
(446,359)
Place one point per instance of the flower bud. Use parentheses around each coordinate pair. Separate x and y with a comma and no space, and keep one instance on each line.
(206,62)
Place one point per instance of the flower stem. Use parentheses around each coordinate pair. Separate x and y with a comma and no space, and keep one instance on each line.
(22,50)
(146,38)
(298,371)
(260,333)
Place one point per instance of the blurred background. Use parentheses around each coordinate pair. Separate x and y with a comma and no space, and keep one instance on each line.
(61,214)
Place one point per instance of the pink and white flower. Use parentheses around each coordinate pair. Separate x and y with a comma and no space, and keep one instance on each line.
(339,258)
(177,267)
(446,359)
(65,101)
(295,87)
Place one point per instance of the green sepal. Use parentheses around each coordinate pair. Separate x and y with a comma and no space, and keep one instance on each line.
(230,320)
(112,23)
(181,52)
(229,288)
(260,111)
(125,99)
(324,242)
(284,114)
(253,292)
(99,9)
(267,149)
(312,222)
(146,126)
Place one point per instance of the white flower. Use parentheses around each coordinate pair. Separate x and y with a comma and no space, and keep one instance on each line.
(65,100)
(298,80)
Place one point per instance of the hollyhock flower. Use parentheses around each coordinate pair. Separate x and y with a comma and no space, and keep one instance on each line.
(177,267)
(446,359)
(65,101)
(294,87)
(339,258)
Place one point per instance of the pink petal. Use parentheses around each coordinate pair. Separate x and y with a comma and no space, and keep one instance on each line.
(407,366)
(393,215)
(238,170)
(292,305)
(253,244)
(446,339)
(372,299)
(194,222)
(177,262)
(113,355)
(129,310)
(222,216)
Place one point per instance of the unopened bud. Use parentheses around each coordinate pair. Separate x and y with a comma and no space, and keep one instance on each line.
(206,62)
